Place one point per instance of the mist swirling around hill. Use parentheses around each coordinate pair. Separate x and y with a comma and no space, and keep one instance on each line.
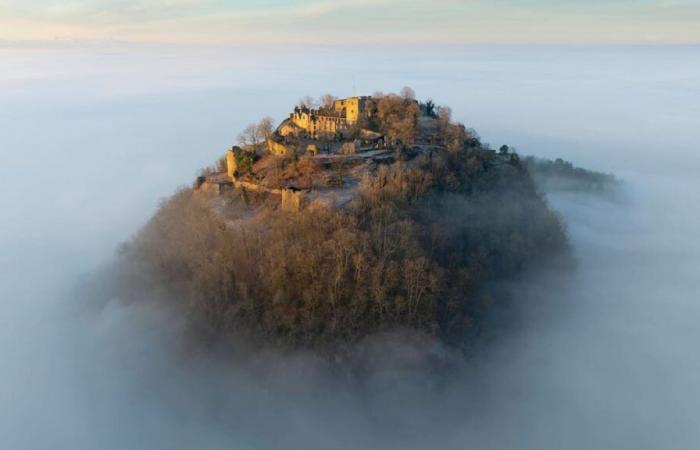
(418,227)
(602,357)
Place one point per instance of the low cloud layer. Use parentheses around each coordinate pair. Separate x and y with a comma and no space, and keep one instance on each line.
(599,357)
(596,358)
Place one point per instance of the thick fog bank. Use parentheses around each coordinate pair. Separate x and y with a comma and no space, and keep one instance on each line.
(601,357)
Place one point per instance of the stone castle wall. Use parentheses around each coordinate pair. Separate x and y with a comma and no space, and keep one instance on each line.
(231,165)
(292,200)
(316,123)
(344,114)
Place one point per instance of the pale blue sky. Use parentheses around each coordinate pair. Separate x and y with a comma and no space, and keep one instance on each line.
(367,21)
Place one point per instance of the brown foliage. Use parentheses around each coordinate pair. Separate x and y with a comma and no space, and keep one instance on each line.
(412,250)
(398,118)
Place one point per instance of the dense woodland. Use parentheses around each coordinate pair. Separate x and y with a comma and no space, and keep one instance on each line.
(415,248)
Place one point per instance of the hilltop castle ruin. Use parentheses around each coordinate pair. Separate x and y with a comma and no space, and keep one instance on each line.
(318,152)
(330,120)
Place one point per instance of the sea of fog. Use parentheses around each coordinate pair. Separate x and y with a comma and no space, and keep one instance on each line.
(604,357)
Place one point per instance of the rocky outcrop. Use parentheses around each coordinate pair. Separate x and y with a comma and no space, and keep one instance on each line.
(277,148)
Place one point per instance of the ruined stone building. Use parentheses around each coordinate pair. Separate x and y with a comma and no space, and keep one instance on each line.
(331,120)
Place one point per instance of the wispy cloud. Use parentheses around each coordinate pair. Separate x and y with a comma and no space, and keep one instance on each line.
(333,21)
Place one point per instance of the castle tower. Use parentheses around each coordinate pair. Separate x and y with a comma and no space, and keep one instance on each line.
(231,166)
(352,109)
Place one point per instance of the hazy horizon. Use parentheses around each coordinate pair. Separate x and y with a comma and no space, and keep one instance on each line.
(356,21)
(93,138)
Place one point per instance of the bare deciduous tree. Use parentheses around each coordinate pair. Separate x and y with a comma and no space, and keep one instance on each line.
(444,114)
(255,134)
(266,128)
(327,100)
(307,102)
(407,93)
(249,136)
